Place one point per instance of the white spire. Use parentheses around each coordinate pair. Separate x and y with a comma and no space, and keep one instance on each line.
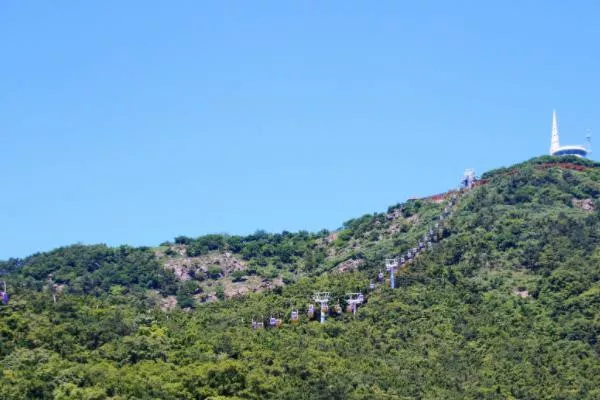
(554,144)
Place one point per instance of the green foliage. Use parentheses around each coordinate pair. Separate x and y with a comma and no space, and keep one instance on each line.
(220,292)
(205,244)
(506,306)
(238,275)
(183,240)
(214,272)
(541,160)
(95,269)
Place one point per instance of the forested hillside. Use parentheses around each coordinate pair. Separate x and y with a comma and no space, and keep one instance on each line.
(505,304)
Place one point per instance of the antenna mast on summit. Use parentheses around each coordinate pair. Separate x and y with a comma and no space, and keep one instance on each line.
(554,140)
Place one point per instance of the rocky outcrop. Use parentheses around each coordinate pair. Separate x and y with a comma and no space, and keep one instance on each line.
(584,204)
(523,293)
(349,265)
(186,268)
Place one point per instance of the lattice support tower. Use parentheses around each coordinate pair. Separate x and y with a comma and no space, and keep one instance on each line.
(322,298)
(354,299)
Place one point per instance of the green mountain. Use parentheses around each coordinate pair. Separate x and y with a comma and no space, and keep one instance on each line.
(504,304)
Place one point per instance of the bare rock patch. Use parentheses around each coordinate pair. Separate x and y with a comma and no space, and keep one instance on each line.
(584,204)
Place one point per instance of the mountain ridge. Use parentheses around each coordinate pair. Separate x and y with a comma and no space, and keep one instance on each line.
(505,306)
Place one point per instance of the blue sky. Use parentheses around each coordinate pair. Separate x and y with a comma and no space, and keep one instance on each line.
(136,121)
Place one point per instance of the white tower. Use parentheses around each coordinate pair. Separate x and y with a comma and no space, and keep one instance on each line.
(468,178)
(569,150)
(554,143)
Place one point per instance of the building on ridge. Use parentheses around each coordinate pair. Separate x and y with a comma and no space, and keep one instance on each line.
(570,150)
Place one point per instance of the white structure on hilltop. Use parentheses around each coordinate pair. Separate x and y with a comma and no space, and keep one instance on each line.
(468,179)
(557,150)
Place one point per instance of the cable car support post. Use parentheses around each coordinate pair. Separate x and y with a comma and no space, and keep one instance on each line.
(322,298)
(4,294)
(391,264)
(354,299)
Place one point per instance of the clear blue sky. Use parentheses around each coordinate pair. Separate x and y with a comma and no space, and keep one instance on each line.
(136,121)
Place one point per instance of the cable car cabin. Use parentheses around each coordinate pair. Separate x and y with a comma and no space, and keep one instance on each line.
(294,317)
(257,325)
(371,285)
(337,308)
(311,312)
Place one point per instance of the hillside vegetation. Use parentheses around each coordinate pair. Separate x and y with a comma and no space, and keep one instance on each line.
(506,306)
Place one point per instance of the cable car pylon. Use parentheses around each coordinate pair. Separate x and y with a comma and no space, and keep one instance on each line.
(391,264)
(354,299)
(322,298)
(433,234)
(4,294)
